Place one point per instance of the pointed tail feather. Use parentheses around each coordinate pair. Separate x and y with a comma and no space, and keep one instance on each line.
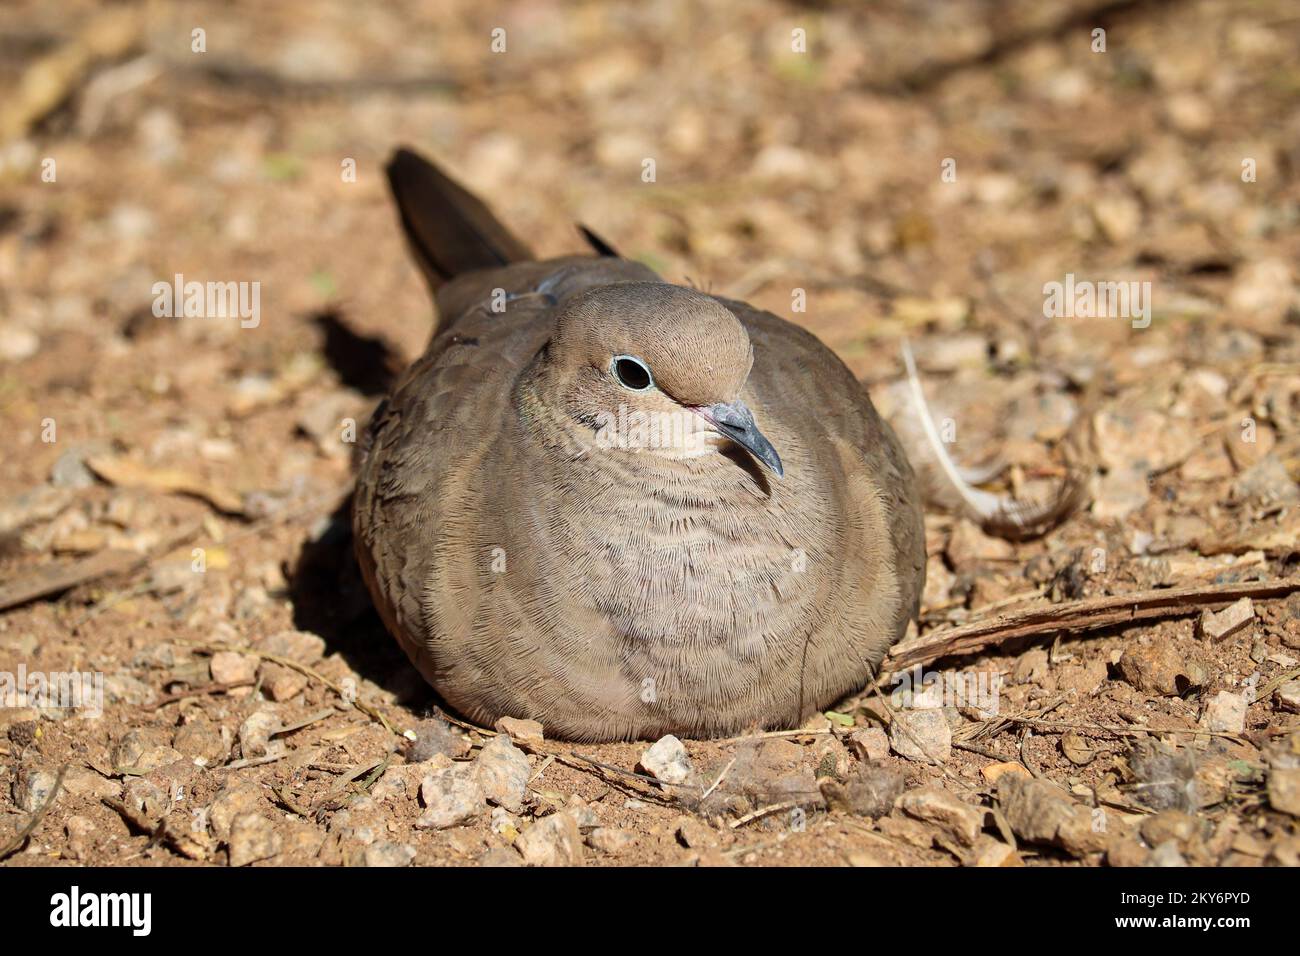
(449,228)
(597,242)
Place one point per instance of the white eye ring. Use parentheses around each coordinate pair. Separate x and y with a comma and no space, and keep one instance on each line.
(632,373)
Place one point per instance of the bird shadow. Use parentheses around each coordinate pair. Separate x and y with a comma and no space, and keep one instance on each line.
(365,363)
(327,592)
(330,599)
(745,461)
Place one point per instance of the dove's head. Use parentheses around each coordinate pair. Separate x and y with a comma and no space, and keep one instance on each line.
(660,351)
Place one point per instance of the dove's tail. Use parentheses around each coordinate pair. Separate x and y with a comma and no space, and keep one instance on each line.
(947,485)
(449,228)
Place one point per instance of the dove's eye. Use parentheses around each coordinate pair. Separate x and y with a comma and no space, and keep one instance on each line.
(632,373)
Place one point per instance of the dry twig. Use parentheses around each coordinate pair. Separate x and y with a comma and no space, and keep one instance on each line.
(1075,617)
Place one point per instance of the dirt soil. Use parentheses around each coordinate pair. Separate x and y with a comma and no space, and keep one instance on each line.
(170,488)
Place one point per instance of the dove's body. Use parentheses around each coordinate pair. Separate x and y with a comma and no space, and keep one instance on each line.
(530,570)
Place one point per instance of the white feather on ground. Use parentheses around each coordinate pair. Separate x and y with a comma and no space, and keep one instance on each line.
(944,483)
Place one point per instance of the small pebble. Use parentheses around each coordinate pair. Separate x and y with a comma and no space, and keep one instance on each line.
(1156,667)
(524,731)
(582,812)
(252,838)
(230,668)
(296,645)
(1167,854)
(124,689)
(255,733)
(956,818)
(551,841)
(1223,624)
(1226,712)
(81,836)
(17,343)
(696,834)
(1166,777)
(503,772)
(500,856)
(505,823)
(610,840)
(1038,811)
(144,797)
(280,683)
(200,741)
(451,796)
(921,735)
(870,743)
(667,761)
(235,800)
(31,788)
(388,854)
(138,752)
(1288,696)
(995,853)
(70,471)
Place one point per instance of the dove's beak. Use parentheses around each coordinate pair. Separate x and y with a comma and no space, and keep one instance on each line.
(734,420)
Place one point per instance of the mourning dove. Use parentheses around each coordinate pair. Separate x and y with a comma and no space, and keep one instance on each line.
(622,507)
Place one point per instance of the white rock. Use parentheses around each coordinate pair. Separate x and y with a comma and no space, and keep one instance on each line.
(452,796)
(1226,712)
(1225,623)
(667,761)
(503,772)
